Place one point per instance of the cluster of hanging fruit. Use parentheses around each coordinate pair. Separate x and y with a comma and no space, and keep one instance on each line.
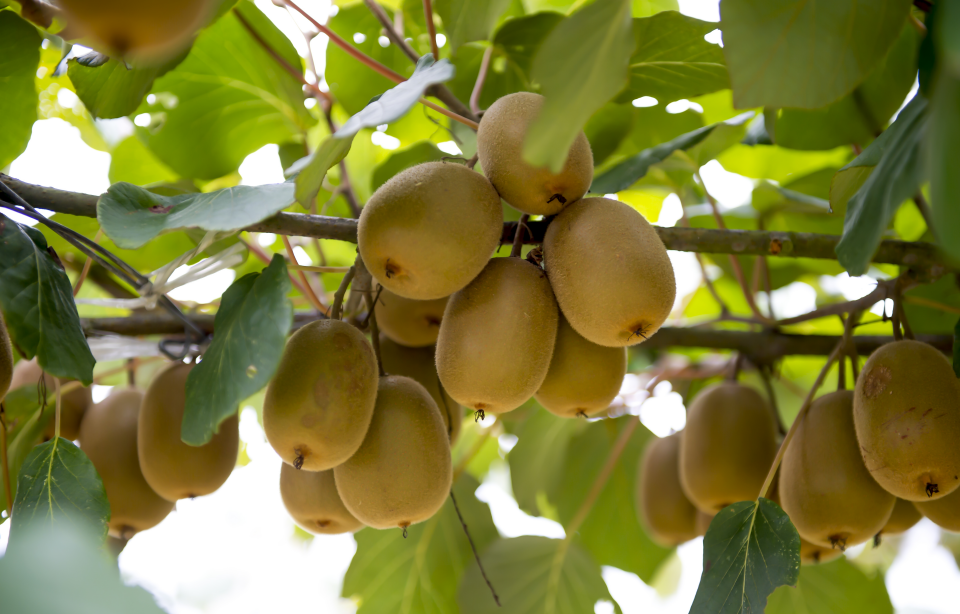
(860,464)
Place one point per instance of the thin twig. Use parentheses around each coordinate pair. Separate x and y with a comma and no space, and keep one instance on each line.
(476,555)
(772,395)
(56,427)
(924,209)
(881,292)
(337,310)
(431,28)
(314,299)
(347,186)
(263,257)
(481,78)
(318,269)
(374,332)
(518,236)
(86,266)
(902,316)
(390,31)
(7,488)
(703,269)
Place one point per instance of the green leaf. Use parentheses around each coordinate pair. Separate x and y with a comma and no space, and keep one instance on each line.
(227,99)
(37,302)
(469,20)
(536,462)
(750,549)
(534,575)
(646,8)
(943,156)
(55,570)
(251,329)
(833,588)
(624,174)
(112,90)
(22,412)
(805,53)
(131,215)
(580,66)
(58,485)
(424,151)
(132,162)
(419,574)
(611,531)
(897,174)
(672,60)
(607,129)
(520,38)
(310,178)
(19,58)
(395,102)
(859,116)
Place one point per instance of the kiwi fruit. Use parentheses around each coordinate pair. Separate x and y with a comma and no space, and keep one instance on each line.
(669,516)
(811,554)
(312,501)
(907,413)
(944,512)
(172,468)
(703,522)
(419,364)
(904,516)
(142,28)
(73,404)
(6,359)
(497,337)
(408,322)
(536,191)
(619,294)
(108,436)
(429,230)
(583,377)
(402,473)
(824,486)
(320,401)
(727,446)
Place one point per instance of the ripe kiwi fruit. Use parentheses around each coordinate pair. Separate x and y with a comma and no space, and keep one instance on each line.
(312,501)
(320,401)
(533,190)
(497,337)
(6,359)
(408,322)
(108,436)
(944,512)
(810,554)
(610,272)
(430,229)
(703,521)
(146,27)
(402,473)
(172,468)
(907,413)
(583,377)
(727,446)
(73,404)
(905,515)
(824,486)
(669,516)
(419,364)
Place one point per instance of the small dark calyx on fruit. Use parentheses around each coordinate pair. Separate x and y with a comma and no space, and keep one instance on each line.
(640,331)
(298,461)
(876,540)
(932,489)
(559,197)
(581,414)
(432,321)
(404,527)
(390,269)
(323,524)
(479,415)
(816,556)
(838,541)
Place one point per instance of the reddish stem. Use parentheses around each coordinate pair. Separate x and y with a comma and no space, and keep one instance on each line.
(431,28)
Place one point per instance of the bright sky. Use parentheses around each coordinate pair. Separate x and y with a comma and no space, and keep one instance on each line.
(235,551)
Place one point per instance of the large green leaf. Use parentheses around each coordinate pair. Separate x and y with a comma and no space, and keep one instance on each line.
(537,461)
(897,173)
(132,162)
(672,60)
(645,8)
(54,570)
(420,574)
(310,178)
(833,588)
(520,38)
(580,66)
(943,155)
(424,151)
(750,549)
(19,58)
(805,53)
(250,331)
(610,532)
(37,302)
(469,20)
(534,575)
(227,99)
(396,101)
(113,89)
(131,215)
(859,116)
(58,485)
(607,129)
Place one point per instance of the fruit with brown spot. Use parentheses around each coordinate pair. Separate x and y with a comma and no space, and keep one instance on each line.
(73,404)
(108,436)
(907,412)
(727,446)
(320,401)
(408,322)
(312,501)
(610,271)
(497,337)
(583,377)
(666,512)
(172,468)
(402,473)
(429,230)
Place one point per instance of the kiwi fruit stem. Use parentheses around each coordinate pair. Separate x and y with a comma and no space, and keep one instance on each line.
(374,332)
(517,249)
(336,311)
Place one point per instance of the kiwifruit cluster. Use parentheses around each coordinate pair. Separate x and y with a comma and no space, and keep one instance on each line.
(861,464)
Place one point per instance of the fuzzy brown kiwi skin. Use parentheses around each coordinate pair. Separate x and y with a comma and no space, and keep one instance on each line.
(668,515)
(537,191)
(73,404)
(6,359)
(312,501)
(907,416)
(944,512)
(408,322)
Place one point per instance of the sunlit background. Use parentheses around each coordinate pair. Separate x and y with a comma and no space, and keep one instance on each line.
(237,551)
